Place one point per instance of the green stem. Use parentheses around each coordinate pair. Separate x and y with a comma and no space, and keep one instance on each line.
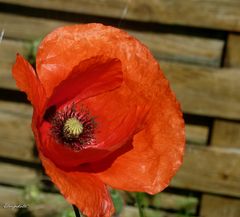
(139,200)
(76,211)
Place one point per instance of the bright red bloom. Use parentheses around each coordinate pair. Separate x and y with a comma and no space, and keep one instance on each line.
(103,115)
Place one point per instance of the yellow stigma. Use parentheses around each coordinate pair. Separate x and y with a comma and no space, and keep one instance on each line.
(72,128)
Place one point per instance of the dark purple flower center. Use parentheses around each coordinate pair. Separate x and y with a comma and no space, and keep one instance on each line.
(73,128)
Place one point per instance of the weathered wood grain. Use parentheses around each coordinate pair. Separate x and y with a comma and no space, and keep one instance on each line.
(17,175)
(166,201)
(179,203)
(9,48)
(196,134)
(226,134)
(16,135)
(130,211)
(214,170)
(9,196)
(218,14)
(205,91)
(27,28)
(232,58)
(214,206)
(6,80)
(188,49)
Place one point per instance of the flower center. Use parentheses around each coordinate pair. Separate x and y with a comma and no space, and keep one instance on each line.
(72,128)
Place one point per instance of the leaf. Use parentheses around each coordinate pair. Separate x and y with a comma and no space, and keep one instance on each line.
(117,201)
(33,51)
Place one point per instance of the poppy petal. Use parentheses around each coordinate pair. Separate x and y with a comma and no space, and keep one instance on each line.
(115,128)
(156,154)
(64,157)
(84,190)
(27,81)
(89,78)
(66,47)
(118,115)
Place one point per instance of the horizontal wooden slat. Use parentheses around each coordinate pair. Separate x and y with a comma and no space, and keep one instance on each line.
(214,206)
(182,48)
(188,49)
(214,170)
(175,202)
(218,14)
(9,48)
(196,134)
(6,80)
(130,211)
(27,28)
(205,91)
(16,136)
(9,196)
(166,201)
(232,58)
(8,51)
(226,134)
(17,175)
(180,203)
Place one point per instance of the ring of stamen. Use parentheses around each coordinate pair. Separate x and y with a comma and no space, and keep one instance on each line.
(73,127)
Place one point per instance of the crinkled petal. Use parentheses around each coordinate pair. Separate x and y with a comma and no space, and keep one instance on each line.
(66,47)
(89,78)
(27,81)
(84,190)
(156,154)
(118,115)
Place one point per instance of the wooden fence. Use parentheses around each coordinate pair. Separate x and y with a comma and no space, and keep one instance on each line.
(198,46)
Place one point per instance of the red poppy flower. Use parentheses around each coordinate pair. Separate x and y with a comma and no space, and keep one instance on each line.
(104,115)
